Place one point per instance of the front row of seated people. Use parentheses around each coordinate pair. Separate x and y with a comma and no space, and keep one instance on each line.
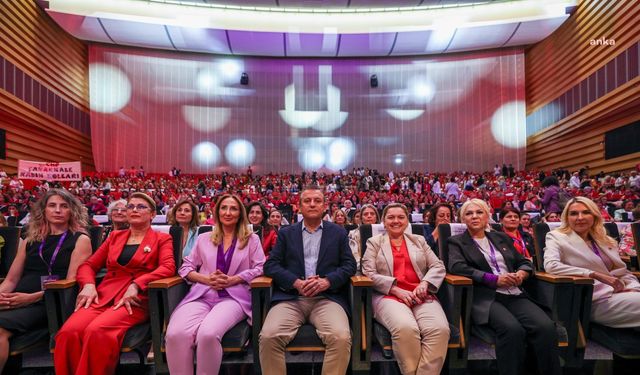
(311,264)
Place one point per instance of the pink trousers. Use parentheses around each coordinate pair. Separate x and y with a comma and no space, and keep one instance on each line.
(200,325)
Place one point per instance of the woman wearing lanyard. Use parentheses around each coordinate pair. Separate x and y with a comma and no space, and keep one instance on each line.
(581,247)
(219,269)
(522,241)
(89,341)
(406,276)
(498,270)
(185,214)
(56,244)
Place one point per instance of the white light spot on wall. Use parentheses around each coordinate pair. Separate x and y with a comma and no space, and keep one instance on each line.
(422,90)
(508,125)
(205,155)
(208,83)
(311,158)
(240,153)
(340,153)
(231,70)
(109,88)
(206,119)
(404,114)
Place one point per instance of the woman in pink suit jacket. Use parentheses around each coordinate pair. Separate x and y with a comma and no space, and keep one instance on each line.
(89,341)
(220,268)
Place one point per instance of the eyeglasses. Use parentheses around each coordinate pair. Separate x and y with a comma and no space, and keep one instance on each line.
(138,207)
(119,209)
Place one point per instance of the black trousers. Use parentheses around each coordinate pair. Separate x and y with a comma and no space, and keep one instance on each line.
(516,319)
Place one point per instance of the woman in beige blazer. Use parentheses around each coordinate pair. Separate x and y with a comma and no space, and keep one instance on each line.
(406,275)
(580,247)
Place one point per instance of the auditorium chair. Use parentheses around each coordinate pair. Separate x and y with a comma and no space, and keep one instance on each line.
(60,298)
(306,340)
(10,239)
(454,296)
(13,221)
(18,344)
(96,234)
(621,341)
(554,293)
(164,297)
(612,231)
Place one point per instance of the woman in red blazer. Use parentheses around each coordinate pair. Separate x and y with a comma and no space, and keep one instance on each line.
(89,341)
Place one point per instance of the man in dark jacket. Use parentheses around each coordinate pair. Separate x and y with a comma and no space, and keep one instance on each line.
(311,265)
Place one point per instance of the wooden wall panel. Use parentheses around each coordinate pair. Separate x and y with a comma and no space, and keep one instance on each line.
(41,49)
(57,88)
(566,58)
(33,135)
(578,140)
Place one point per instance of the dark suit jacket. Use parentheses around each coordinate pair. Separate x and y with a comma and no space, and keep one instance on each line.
(465,259)
(335,262)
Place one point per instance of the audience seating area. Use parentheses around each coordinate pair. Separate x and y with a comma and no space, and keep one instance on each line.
(566,299)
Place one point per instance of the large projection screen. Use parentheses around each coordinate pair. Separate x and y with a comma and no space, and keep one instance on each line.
(162,109)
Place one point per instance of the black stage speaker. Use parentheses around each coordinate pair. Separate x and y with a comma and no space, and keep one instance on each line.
(374,81)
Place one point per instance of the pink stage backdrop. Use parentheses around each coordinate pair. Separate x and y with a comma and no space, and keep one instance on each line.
(162,110)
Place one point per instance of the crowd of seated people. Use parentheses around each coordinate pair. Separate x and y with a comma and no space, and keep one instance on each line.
(132,201)
(528,191)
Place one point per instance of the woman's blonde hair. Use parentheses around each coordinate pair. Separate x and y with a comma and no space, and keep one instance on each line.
(597,232)
(339,212)
(242,232)
(38,228)
(478,202)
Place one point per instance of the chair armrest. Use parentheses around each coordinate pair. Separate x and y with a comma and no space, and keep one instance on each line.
(361,281)
(164,296)
(360,295)
(455,296)
(582,280)
(59,300)
(261,282)
(554,279)
(457,280)
(261,291)
(636,274)
(60,284)
(165,283)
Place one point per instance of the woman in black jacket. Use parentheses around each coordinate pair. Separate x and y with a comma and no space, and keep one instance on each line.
(498,270)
